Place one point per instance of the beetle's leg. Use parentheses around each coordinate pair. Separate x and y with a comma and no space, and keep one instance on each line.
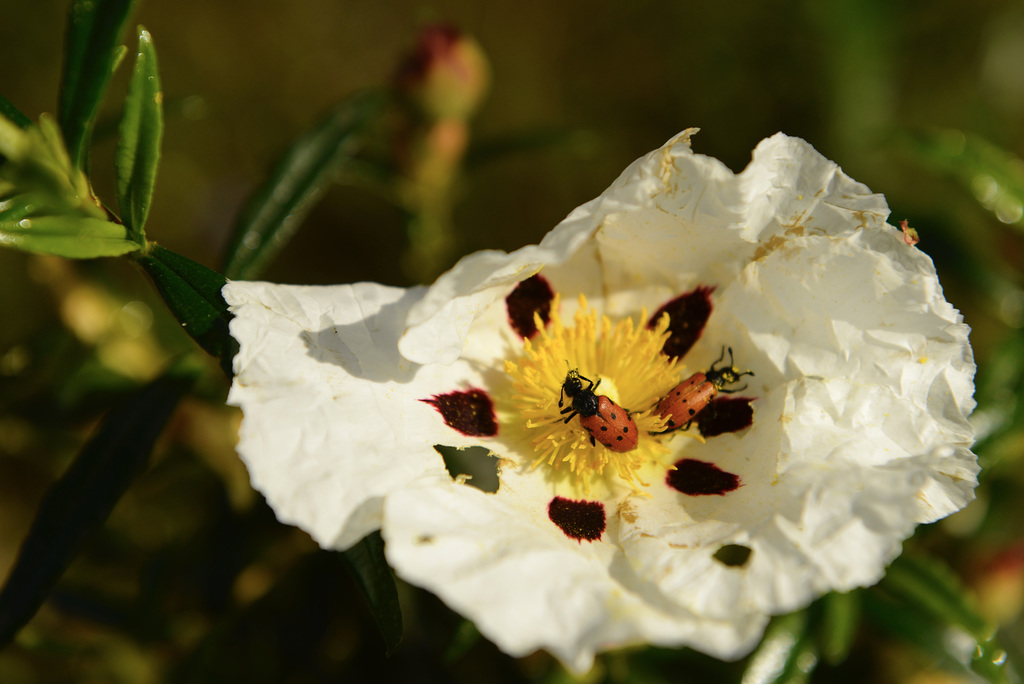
(592,385)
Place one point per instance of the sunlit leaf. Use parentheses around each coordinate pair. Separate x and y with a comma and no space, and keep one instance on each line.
(138,148)
(278,207)
(80,501)
(11,112)
(71,236)
(378,584)
(25,205)
(34,162)
(91,54)
(994,176)
(787,654)
(192,292)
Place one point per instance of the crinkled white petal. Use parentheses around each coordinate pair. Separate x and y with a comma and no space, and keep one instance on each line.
(824,504)
(498,560)
(333,417)
(439,323)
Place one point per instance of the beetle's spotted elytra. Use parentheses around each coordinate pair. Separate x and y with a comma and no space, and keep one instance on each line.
(604,420)
(691,396)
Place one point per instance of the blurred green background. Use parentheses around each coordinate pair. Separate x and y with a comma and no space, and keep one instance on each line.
(192,579)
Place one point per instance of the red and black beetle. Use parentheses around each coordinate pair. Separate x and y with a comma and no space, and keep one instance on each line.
(692,395)
(604,420)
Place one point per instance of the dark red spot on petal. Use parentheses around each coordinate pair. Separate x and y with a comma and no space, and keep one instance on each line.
(580,520)
(699,478)
(531,296)
(688,313)
(470,412)
(725,414)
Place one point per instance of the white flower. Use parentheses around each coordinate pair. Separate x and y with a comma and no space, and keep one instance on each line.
(851,430)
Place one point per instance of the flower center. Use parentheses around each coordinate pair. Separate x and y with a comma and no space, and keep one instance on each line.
(624,362)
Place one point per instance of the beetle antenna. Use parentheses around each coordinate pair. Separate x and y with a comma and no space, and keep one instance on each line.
(722,356)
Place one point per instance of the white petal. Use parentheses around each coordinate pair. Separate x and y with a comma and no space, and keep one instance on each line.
(498,560)
(333,415)
(439,323)
(824,504)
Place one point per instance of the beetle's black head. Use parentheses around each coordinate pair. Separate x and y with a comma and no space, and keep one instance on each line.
(572,384)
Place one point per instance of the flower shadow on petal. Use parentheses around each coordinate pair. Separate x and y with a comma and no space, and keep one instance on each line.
(368,348)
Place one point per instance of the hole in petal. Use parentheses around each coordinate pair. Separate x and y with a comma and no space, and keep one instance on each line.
(733,555)
(699,478)
(477,464)
(725,414)
(579,520)
(470,412)
(688,313)
(531,296)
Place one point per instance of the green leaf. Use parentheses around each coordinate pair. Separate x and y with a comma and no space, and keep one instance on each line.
(35,160)
(932,589)
(80,501)
(11,112)
(378,584)
(839,622)
(787,654)
(932,586)
(892,617)
(993,175)
(192,292)
(29,204)
(91,55)
(279,206)
(138,148)
(72,236)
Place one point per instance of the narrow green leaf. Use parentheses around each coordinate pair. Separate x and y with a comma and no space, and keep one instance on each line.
(138,148)
(75,237)
(279,206)
(840,619)
(11,112)
(26,205)
(80,501)
(931,588)
(891,617)
(787,654)
(994,176)
(192,292)
(91,54)
(378,584)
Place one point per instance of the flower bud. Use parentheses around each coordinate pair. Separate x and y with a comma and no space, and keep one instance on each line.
(446,75)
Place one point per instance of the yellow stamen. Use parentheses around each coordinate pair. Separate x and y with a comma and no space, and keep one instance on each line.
(633,371)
